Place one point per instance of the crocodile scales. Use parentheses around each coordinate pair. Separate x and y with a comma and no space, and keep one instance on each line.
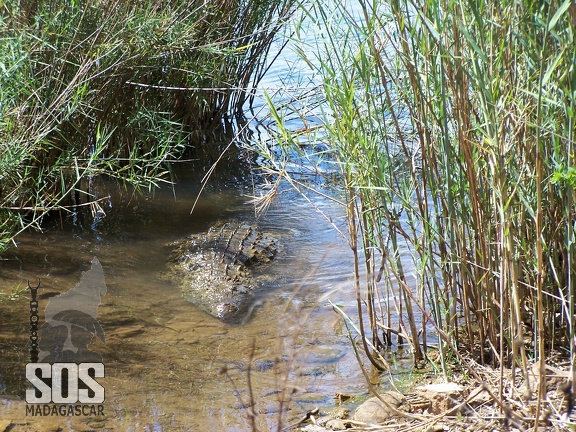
(219,270)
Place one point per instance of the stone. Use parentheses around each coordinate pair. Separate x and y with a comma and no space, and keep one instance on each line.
(481,398)
(336,424)
(443,396)
(374,411)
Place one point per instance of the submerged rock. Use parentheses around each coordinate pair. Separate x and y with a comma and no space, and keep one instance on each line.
(220,270)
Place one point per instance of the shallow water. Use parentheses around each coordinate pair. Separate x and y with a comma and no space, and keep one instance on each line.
(164,357)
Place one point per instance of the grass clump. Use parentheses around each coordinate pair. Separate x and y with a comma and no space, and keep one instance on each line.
(117,88)
(450,129)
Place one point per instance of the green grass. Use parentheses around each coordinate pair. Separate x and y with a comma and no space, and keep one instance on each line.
(117,88)
(15,293)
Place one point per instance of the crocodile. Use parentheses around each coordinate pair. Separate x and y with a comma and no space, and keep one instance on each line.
(220,270)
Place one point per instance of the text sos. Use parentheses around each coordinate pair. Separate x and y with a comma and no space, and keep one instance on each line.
(69,383)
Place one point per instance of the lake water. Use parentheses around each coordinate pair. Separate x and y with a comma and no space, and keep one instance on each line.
(169,365)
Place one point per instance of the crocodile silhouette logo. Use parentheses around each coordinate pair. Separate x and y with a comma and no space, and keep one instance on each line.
(71,322)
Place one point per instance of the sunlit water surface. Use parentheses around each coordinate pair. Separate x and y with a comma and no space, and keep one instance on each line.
(165,359)
(169,365)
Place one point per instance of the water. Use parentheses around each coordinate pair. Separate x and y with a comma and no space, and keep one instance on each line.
(163,356)
(169,365)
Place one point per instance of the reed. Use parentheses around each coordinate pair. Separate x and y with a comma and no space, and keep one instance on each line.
(118,88)
(450,128)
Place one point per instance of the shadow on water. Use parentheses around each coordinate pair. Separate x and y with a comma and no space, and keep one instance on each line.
(164,356)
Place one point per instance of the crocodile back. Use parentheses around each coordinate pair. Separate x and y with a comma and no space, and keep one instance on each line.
(241,244)
(219,270)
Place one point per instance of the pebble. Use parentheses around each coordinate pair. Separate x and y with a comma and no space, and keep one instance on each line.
(374,411)
(336,424)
